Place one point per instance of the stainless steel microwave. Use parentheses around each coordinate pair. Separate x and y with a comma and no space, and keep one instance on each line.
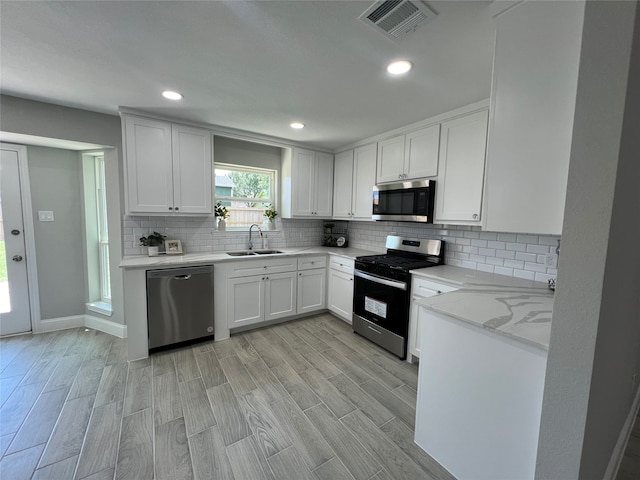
(404,202)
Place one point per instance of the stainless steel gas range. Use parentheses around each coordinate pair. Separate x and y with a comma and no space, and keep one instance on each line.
(382,290)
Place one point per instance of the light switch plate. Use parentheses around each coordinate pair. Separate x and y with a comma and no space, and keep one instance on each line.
(45,216)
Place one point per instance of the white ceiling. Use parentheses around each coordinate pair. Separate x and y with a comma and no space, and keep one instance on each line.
(254,66)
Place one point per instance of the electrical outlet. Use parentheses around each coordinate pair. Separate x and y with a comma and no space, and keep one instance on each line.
(551,260)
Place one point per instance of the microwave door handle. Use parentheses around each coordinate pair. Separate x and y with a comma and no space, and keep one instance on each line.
(383,281)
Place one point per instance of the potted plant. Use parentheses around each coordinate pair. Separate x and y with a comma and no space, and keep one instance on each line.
(222,214)
(271,215)
(153,241)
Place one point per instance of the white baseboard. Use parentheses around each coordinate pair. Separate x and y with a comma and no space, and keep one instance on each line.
(89,321)
(621,444)
(106,326)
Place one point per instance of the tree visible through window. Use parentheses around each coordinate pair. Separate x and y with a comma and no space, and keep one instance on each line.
(246,192)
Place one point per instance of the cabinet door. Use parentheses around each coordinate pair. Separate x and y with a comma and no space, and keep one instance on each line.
(413,344)
(391,160)
(364,178)
(341,294)
(149,171)
(535,74)
(342,185)
(323,185)
(303,182)
(245,301)
(462,155)
(192,165)
(421,152)
(280,295)
(311,290)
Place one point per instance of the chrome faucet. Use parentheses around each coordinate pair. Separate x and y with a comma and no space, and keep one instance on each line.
(251,228)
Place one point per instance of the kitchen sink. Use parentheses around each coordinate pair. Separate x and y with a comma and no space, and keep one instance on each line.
(244,253)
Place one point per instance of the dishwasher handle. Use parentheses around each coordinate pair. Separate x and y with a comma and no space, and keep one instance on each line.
(182,277)
(183,273)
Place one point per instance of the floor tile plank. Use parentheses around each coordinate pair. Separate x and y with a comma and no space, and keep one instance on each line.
(361,399)
(68,434)
(65,373)
(301,392)
(263,346)
(196,407)
(21,465)
(355,457)
(399,408)
(264,379)
(209,456)
(163,363)
(247,461)
(7,386)
(135,453)
(330,395)
(173,460)
(229,416)
(112,384)
(406,393)
(311,446)
(375,371)
(186,365)
(287,464)
(350,369)
(61,470)
(39,424)
(167,405)
(100,447)
(88,379)
(334,469)
(139,391)
(210,369)
(386,452)
(268,432)
(237,375)
(18,406)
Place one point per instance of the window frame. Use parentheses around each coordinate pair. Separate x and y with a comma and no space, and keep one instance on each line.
(103,229)
(247,169)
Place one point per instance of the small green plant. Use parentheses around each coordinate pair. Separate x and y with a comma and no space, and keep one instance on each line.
(270,212)
(221,211)
(154,239)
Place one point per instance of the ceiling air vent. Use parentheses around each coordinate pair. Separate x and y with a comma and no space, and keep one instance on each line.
(396,18)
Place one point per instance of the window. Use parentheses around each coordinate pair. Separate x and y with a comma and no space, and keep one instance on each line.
(246,192)
(103,232)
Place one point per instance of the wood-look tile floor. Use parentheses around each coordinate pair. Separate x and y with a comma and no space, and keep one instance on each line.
(306,399)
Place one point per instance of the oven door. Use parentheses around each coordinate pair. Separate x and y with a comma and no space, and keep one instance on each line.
(382,301)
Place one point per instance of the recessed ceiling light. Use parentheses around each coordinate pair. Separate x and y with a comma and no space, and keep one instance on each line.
(297,125)
(171,95)
(399,67)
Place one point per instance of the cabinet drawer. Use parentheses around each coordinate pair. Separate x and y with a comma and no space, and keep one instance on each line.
(246,268)
(342,264)
(427,288)
(307,263)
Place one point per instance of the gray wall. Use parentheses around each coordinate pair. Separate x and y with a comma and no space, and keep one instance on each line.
(56,185)
(229,150)
(40,119)
(595,347)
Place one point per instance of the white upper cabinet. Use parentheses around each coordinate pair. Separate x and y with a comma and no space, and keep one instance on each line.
(463,144)
(354,178)
(421,152)
(307,183)
(533,94)
(168,167)
(391,160)
(410,156)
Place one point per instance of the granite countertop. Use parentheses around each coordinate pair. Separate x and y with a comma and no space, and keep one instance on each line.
(143,261)
(520,309)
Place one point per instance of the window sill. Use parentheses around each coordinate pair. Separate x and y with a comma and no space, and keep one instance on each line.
(103,308)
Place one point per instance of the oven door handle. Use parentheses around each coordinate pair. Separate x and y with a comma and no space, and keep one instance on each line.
(382,280)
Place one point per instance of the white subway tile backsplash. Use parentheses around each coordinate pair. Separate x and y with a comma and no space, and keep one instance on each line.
(542,249)
(497,252)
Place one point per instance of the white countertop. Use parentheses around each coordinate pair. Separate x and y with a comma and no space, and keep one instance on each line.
(142,261)
(520,309)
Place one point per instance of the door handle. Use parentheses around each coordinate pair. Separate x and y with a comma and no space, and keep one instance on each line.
(17,258)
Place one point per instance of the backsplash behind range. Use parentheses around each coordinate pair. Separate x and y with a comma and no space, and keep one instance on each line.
(515,255)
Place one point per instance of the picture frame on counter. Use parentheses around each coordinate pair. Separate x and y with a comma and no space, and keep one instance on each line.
(173,247)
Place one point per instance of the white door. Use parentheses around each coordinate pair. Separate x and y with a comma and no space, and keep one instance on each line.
(15,314)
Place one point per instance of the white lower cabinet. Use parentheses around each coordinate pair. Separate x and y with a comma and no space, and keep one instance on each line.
(261,298)
(340,286)
(421,288)
(311,290)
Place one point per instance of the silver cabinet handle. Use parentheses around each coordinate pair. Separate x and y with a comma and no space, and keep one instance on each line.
(176,209)
(170,208)
(17,258)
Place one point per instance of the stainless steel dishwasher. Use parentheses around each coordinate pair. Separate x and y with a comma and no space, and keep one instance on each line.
(179,305)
